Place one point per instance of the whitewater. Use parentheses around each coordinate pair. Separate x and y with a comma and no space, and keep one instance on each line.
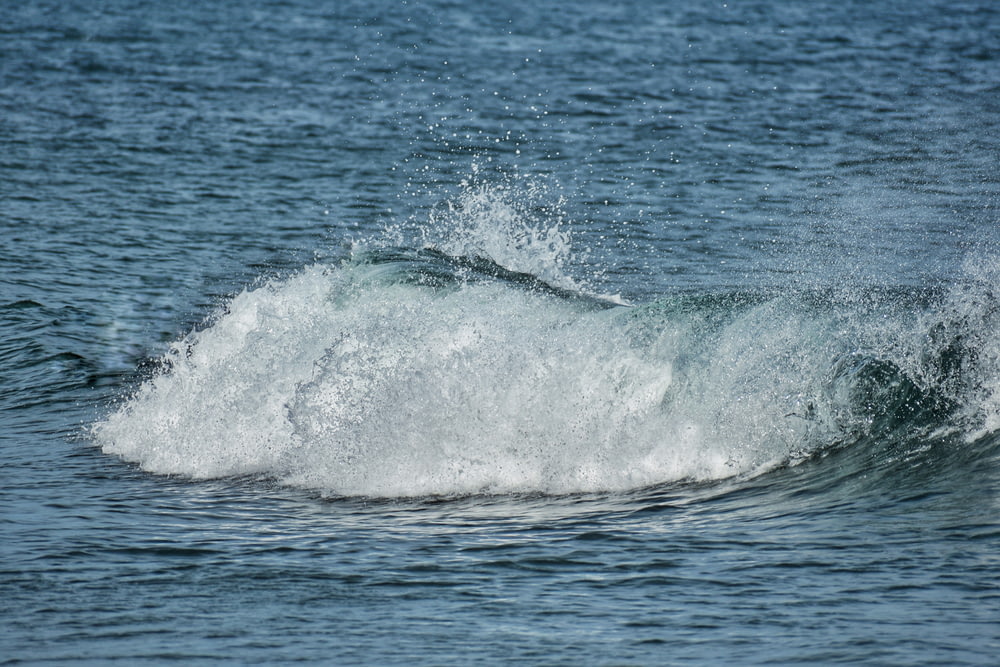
(411,371)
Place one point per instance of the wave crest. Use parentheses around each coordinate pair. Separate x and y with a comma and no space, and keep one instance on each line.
(410,372)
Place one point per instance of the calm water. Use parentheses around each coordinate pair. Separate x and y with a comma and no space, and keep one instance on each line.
(538,333)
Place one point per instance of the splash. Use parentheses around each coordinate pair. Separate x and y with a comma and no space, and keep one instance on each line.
(509,224)
(355,381)
(470,365)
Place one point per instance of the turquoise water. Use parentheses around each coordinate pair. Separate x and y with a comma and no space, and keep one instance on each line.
(423,332)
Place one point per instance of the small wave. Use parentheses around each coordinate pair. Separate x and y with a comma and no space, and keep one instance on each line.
(400,376)
(415,371)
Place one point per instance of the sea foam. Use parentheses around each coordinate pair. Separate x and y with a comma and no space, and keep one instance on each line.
(405,372)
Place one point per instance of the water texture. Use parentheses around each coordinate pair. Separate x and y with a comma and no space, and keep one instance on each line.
(438,333)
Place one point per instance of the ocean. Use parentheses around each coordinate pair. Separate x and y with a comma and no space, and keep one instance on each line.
(428,332)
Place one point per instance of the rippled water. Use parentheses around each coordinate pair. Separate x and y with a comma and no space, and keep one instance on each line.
(425,332)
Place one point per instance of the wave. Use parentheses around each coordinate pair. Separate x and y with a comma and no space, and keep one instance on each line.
(438,370)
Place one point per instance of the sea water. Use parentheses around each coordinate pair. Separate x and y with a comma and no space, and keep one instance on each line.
(438,333)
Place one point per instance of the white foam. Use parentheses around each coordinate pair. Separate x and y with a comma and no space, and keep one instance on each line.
(332,380)
(349,380)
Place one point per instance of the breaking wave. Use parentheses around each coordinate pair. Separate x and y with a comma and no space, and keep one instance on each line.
(472,363)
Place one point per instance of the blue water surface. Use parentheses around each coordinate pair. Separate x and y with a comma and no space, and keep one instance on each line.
(428,332)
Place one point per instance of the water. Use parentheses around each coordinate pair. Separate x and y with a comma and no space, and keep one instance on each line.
(423,332)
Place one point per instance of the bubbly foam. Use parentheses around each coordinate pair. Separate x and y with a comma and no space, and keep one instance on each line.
(331,381)
(370,378)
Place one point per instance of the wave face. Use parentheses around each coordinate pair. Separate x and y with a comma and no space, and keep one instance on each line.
(472,364)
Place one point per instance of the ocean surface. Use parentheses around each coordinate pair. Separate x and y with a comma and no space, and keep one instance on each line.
(434,332)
